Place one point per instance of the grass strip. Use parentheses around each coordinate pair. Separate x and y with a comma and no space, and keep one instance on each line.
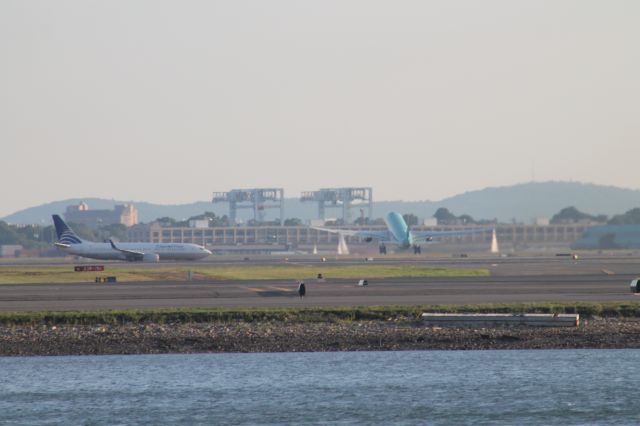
(65,274)
(301,315)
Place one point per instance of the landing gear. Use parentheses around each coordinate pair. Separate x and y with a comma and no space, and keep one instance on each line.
(417,249)
(382,249)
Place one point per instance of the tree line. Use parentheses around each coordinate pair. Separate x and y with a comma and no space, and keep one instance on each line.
(573,215)
(33,236)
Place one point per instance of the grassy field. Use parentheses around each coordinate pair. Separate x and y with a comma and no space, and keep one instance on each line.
(384,313)
(65,274)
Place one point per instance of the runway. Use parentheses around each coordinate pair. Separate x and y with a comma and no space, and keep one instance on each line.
(278,293)
(594,278)
(497,265)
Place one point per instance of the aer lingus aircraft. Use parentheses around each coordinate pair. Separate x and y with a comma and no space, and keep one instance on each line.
(398,233)
(71,244)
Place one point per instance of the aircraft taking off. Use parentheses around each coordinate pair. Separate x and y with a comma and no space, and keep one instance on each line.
(71,244)
(398,233)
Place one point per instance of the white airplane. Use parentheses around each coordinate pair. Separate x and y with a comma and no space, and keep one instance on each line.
(71,244)
(398,233)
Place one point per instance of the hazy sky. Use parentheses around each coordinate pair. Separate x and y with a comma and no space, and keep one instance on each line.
(168,101)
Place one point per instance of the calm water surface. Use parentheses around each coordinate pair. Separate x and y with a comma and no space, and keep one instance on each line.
(430,387)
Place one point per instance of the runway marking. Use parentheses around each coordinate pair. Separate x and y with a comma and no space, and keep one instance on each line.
(282,288)
(269,289)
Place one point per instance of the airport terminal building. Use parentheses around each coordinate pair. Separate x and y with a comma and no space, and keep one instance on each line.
(274,238)
(125,214)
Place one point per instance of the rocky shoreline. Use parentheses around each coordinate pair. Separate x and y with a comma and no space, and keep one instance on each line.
(282,336)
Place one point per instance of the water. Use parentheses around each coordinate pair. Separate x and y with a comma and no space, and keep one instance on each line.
(430,387)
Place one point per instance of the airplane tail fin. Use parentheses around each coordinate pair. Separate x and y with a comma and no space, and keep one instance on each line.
(64,233)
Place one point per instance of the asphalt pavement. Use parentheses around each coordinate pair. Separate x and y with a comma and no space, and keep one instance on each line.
(594,278)
(283,293)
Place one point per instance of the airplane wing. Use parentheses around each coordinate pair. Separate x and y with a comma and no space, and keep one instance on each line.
(130,254)
(375,235)
(429,235)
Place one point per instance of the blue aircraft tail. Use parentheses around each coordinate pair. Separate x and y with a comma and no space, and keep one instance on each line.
(65,234)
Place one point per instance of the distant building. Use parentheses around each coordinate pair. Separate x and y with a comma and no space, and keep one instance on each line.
(316,222)
(301,236)
(125,214)
(198,223)
(10,250)
(430,221)
(541,221)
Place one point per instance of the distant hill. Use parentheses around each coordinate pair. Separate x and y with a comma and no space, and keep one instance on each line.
(147,212)
(524,202)
(521,202)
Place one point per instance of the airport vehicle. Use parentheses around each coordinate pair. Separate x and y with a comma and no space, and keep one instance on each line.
(71,244)
(399,234)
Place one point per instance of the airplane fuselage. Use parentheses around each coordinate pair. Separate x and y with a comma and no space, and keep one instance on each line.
(165,251)
(399,230)
(398,234)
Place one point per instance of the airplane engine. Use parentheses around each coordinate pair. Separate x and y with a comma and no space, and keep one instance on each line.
(429,239)
(151,257)
(368,239)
